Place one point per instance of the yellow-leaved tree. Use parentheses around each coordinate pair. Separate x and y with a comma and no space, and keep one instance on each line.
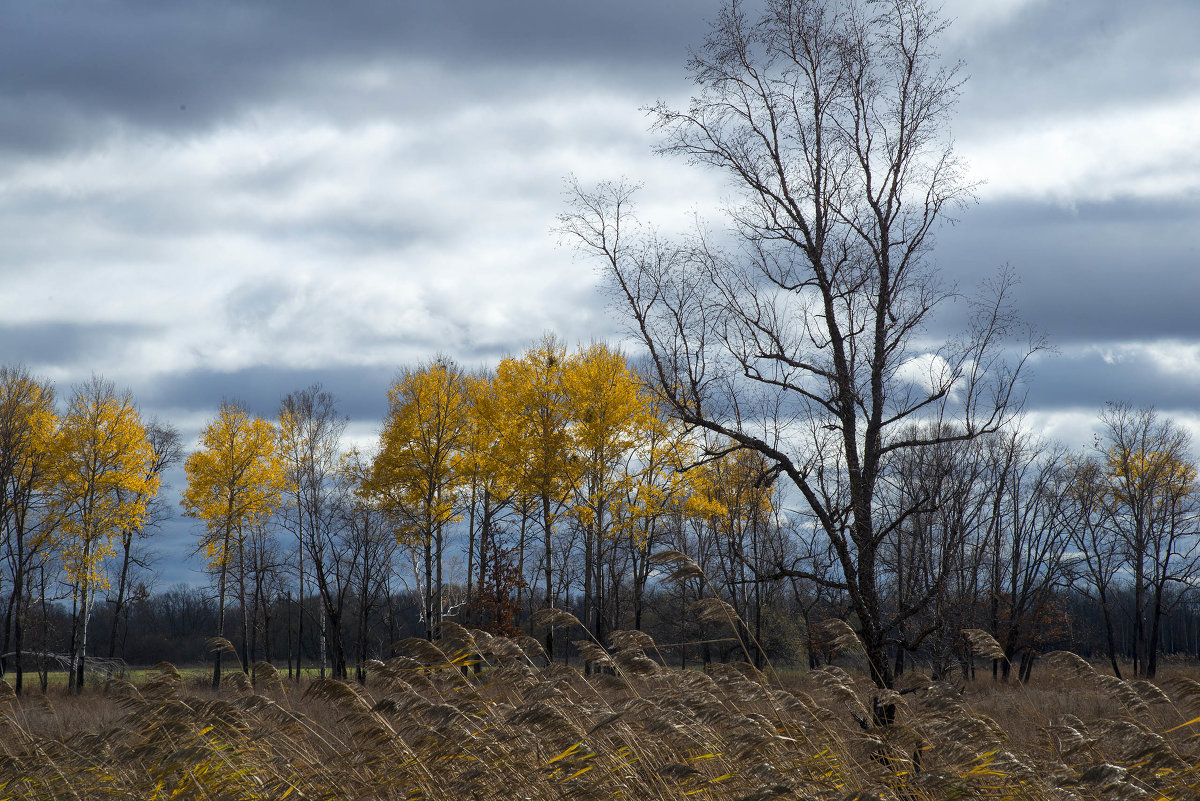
(492,576)
(233,484)
(659,490)
(415,474)
(103,482)
(607,413)
(535,441)
(27,430)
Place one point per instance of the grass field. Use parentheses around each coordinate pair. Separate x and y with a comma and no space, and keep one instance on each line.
(198,675)
(476,717)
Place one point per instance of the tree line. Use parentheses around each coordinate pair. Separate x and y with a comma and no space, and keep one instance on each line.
(557,480)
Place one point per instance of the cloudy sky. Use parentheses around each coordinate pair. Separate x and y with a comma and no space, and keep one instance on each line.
(201,201)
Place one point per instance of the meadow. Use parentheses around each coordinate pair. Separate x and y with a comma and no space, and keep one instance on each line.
(480,717)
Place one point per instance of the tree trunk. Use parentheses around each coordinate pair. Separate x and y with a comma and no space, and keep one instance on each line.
(1139,611)
(1110,638)
(429,587)
(590,583)
(549,600)
(216,677)
(471,539)
(18,647)
(289,638)
(83,629)
(1155,629)
(440,588)
(299,596)
(119,601)
(360,669)
(337,649)
(74,638)
(324,654)
(485,533)
(12,623)
(245,605)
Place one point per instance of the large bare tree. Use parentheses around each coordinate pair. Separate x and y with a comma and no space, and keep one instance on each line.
(803,334)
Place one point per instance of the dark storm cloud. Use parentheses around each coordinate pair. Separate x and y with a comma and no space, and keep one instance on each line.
(175,540)
(1092,378)
(1096,272)
(361,391)
(67,74)
(1059,57)
(66,343)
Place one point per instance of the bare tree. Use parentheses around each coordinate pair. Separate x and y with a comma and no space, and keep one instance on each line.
(266,566)
(168,450)
(802,341)
(1152,505)
(1030,500)
(929,560)
(1096,558)
(370,540)
(310,437)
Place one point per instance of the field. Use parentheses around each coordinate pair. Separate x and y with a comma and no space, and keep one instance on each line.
(476,717)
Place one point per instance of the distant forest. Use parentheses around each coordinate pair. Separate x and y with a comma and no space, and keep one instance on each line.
(558,480)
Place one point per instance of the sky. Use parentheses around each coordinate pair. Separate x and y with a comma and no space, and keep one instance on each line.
(208,201)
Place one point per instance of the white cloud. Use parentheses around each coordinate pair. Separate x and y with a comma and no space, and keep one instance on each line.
(1175,358)
(1075,427)
(928,371)
(1131,151)
(1080,428)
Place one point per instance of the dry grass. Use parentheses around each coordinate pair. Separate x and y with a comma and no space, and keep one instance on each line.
(476,717)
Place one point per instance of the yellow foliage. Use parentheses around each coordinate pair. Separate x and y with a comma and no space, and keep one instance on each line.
(102,479)
(732,491)
(659,486)
(1138,474)
(607,413)
(606,406)
(579,428)
(415,473)
(234,480)
(479,459)
(28,427)
(533,422)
